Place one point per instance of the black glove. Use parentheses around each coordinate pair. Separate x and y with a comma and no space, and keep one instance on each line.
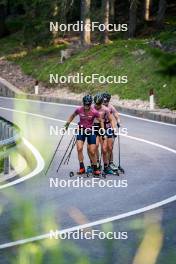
(66,126)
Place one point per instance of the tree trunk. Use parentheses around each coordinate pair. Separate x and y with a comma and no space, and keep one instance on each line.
(147,10)
(85,17)
(132,18)
(112,11)
(105,6)
(161,13)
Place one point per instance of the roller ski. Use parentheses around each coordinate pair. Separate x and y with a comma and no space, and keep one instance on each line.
(109,171)
(81,172)
(95,173)
(89,172)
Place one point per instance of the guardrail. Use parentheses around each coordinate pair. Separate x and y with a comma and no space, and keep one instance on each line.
(8,90)
(9,133)
(9,137)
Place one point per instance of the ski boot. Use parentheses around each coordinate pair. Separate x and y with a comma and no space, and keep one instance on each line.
(89,170)
(81,171)
(96,173)
(113,167)
(109,171)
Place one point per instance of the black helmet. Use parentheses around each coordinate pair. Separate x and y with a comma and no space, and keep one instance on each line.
(98,99)
(87,100)
(106,97)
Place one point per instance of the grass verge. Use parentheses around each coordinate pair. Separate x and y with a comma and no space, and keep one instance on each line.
(146,67)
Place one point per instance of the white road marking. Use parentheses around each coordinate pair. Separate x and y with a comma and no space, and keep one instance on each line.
(31,114)
(37,170)
(149,120)
(71,105)
(95,223)
(98,222)
(63,121)
(151,143)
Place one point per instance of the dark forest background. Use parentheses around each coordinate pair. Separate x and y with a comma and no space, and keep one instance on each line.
(33,16)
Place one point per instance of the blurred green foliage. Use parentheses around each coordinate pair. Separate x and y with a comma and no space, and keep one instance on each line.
(1,165)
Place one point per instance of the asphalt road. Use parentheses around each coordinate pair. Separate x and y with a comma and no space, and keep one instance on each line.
(148,157)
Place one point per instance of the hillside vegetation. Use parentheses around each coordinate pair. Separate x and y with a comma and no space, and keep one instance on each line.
(147,66)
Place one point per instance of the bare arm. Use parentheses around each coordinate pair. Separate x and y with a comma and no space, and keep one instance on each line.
(116,115)
(70,119)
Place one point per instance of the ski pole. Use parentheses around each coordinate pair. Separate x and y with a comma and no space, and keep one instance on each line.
(71,141)
(100,153)
(114,138)
(69,155)
(54,155)
(100,161)
(119,167)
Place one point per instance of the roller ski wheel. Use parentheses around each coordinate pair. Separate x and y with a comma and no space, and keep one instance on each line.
(103,175)
(71,174)
(97,176)
(121,170)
